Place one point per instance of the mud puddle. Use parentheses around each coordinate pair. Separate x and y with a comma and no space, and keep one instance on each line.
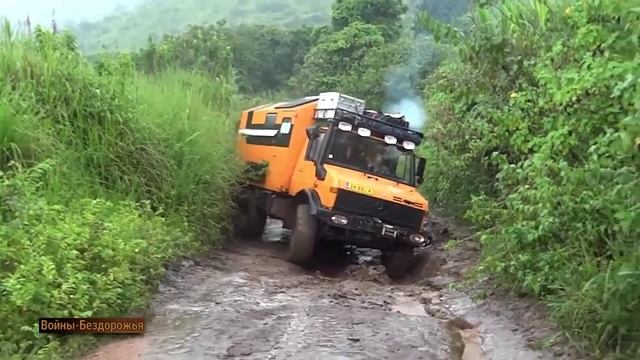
(246,302)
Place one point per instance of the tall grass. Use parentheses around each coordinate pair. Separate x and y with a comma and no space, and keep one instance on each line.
(193,119)
(105,175)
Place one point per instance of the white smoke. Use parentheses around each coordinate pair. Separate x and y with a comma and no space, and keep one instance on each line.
(400,90)
(413,109)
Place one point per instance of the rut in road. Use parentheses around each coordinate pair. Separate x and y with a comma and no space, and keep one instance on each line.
(246,302)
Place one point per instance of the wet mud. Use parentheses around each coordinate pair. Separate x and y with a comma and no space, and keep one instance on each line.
(246,302)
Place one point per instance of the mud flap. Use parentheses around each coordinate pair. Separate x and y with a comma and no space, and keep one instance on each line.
(250,218)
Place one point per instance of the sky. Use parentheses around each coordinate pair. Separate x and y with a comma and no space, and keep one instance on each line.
(42,11)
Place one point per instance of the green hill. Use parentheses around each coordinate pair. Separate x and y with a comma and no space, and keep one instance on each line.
(131,29)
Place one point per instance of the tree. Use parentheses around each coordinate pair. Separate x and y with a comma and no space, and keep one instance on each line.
(267,56)
(446,11)
(353,60)
(202,48)
(385,14)
(355,54)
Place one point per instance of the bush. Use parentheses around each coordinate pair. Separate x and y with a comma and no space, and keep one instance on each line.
(535,134)
(88,258)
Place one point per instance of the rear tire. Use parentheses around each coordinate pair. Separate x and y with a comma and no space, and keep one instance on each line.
(399,262)
(303,236)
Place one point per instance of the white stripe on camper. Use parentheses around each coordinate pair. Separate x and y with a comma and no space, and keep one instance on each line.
(258,132)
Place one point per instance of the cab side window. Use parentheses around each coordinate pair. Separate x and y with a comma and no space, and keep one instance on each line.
(404,167)
(270,119)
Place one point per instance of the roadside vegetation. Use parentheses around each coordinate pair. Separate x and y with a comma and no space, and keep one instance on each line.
(534,136)
(114,166)
(106,175)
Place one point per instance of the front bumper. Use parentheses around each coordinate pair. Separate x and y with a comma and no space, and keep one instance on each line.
(367,231)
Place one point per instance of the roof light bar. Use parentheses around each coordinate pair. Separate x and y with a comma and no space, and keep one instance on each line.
(408,145)
(391,140)
(345,126)
(364,132)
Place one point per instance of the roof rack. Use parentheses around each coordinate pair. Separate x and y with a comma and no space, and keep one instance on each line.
(376,125)
(297,102)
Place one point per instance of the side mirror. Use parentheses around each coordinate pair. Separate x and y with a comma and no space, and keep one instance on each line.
(420,171)
(315,149)
(313,132)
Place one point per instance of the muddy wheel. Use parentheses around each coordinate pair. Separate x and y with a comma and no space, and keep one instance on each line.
(303,236)
(249,220)
(398,263)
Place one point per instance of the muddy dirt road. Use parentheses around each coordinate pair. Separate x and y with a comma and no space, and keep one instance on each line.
(246,302)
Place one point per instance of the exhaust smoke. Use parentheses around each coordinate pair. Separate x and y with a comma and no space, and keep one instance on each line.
(413,110)
(401,95)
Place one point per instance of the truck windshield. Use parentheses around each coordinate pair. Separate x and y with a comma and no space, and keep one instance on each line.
(371,155)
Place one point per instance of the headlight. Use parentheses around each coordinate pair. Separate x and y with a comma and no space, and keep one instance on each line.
(417,239)
(339,219)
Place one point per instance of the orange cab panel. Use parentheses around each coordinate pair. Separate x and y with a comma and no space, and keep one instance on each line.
(274,135)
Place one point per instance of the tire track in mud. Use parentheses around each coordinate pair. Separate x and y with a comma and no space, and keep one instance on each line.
(246,302)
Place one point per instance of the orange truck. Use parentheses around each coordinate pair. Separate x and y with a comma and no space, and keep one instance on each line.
(333,171)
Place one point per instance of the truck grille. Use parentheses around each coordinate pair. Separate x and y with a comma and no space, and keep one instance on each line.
(387,211)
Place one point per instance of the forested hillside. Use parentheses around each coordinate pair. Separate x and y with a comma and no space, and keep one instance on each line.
(111,168)
(130,30)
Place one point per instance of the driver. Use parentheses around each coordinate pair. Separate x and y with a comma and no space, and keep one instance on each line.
(372,158)
(361,156)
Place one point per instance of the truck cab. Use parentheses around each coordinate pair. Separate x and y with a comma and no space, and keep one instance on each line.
(334,171)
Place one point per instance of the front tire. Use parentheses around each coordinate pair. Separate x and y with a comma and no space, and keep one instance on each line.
(303,236)
(399,262)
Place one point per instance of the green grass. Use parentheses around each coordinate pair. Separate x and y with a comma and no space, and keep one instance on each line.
(106,175)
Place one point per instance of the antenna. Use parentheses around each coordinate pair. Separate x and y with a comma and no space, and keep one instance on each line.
(29,25)
(54,26)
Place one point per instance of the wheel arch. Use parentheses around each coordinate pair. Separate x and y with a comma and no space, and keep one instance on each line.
(309,196)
